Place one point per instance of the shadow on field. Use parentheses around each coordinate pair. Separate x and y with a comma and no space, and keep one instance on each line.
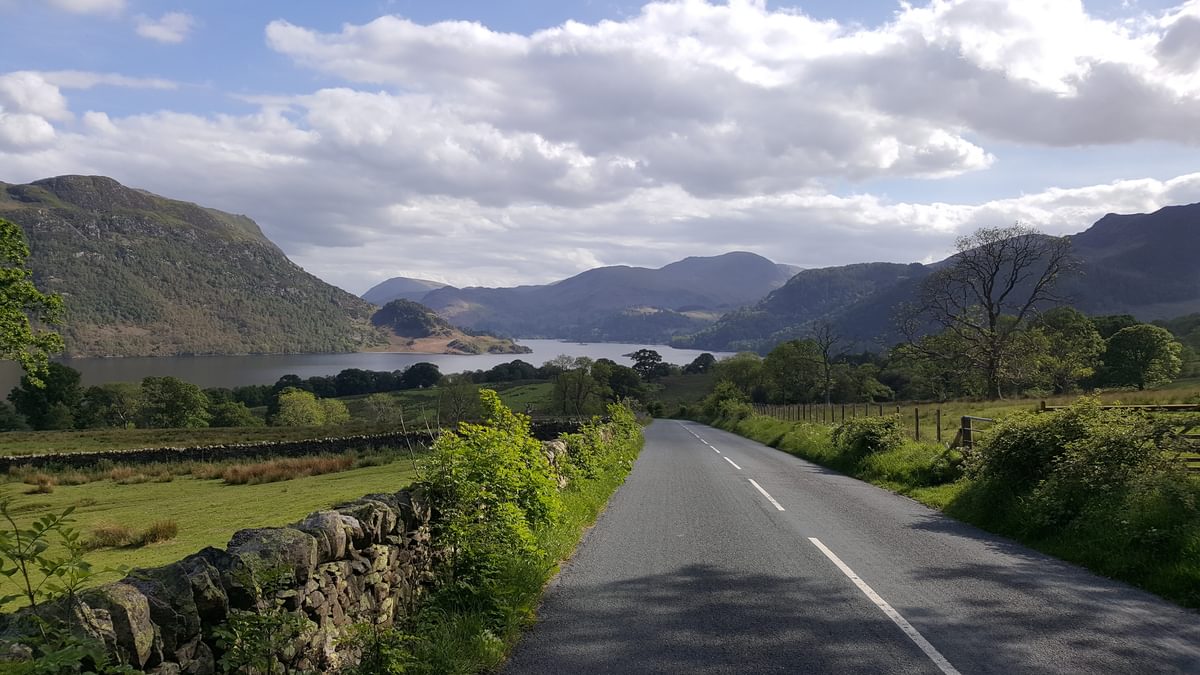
(705,619)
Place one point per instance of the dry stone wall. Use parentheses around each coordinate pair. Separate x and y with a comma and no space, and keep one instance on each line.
(366,561)
(542,429)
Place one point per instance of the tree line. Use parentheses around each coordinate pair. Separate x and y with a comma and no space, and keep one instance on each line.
(58,400)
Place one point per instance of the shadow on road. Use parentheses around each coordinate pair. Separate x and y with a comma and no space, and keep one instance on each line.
(704,619)
(1035,599)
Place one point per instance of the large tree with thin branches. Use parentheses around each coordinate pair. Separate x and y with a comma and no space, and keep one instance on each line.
(986,296)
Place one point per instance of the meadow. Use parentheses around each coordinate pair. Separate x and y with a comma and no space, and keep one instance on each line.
(205,511)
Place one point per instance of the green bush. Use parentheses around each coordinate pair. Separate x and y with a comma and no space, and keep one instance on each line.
(585,450)
(724,393)
(1020,448)
(490,485)
(856,438)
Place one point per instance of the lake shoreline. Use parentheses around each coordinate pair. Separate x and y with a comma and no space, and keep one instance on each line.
(222,370)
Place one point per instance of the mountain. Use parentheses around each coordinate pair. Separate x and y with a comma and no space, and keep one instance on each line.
(618,303)
(1142,264)
(397,288)
(144,275)
(1147,265)
(413,327)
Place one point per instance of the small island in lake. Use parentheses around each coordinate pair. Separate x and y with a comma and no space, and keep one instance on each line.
(413,327)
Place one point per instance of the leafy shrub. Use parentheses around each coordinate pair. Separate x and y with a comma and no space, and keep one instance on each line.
(1019,449)
(856,438)
(732,411)
(381,650)
(490,485)
(50,549)
(725,390)
(585,449)
(1114,450)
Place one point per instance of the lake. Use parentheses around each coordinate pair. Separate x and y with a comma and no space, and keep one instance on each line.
(231,371)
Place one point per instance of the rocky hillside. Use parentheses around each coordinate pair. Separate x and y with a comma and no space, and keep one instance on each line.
(143,275)
(413,327)
(617,303)
(1143,264)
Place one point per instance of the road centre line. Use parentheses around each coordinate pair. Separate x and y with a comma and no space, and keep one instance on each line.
(714,449)
(731,462)
(912,633)
(765,494)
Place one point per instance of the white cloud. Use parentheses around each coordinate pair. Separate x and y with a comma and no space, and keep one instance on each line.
(170,28)
(29,92)
(82,79)
(455,152)
(20,131)
(89,6)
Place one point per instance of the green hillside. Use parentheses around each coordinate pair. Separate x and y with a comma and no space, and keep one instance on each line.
(147,276)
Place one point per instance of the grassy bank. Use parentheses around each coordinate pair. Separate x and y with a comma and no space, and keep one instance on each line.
(1131,519)
(488,591)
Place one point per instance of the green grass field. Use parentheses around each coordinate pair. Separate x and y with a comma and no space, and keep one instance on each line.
(1181,391)
(207,512)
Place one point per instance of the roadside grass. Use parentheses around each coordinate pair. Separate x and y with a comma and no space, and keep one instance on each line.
(929,473)
(461,641)
(420,406)
(206,512)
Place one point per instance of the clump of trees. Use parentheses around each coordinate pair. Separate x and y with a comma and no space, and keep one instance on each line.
(58,401)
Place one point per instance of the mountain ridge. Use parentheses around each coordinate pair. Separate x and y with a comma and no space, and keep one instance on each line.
(1140,264)
(616,303)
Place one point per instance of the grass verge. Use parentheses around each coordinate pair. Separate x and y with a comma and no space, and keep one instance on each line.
(468,639)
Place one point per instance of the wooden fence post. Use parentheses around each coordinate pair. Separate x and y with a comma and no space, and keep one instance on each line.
(917,423)
(966,432)
(881,410)
(937,416)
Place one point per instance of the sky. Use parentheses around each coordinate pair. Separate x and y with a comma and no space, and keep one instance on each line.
(489,143)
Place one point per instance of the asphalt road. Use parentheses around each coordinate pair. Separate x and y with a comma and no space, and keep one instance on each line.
(695,569)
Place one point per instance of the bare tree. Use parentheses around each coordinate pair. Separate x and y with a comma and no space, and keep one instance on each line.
(828,341)
(459,396)
(986,295)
